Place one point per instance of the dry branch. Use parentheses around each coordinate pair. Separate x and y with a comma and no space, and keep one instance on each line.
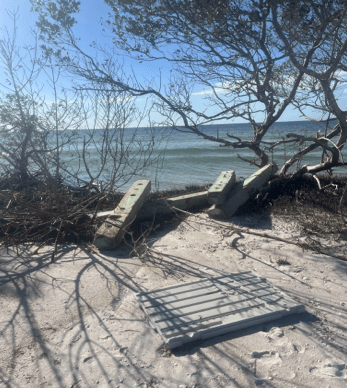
(44,213)
(308,244)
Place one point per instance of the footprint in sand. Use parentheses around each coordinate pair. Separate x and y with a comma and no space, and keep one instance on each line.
(331,369)
(276,336)
(265,363)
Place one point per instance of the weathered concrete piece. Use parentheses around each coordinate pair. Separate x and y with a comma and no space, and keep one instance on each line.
(214,306)
(111,232)
(219,191)
(241,193)
(165,206)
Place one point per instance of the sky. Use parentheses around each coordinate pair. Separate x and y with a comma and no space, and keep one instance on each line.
(89,30)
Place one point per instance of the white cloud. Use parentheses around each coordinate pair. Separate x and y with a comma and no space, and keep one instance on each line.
(227,86)
(218,88)
(208,91)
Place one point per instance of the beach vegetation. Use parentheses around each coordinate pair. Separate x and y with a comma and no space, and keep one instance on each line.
(250,60)
(63,151)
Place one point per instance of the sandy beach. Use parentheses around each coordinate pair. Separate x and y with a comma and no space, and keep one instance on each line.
(75,323)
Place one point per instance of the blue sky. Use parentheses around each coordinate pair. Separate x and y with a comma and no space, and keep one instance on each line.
(89,30)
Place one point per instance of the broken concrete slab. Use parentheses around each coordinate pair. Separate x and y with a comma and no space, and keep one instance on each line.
(111,232)
(219,191)
(242,192)
(166,206)
(214,306)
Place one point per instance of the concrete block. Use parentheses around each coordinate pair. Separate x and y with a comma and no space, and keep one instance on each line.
(165,206)
(111,232)
(219,191)
(242,192)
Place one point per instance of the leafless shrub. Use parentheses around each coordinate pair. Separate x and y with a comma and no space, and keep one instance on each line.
(249,60)
(61,155)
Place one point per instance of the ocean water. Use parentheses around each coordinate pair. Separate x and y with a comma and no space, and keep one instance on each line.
(185,158)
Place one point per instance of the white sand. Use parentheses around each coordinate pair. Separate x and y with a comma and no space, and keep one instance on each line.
(75,323)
